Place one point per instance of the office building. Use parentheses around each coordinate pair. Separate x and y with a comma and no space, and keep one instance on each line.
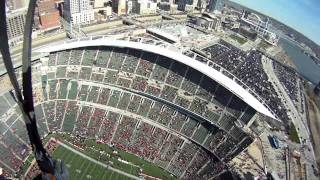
(187,5)
(215,6)
(169,7)
(119,7)
(48,14)
(78,12)
(129,6)
(99,3)
(202,5)
(15,25)
(146,7)
(16,4)
(143,7)
(208,21)
(102,14)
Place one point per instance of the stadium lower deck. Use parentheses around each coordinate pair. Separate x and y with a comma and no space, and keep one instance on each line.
(83,159)
(145,104)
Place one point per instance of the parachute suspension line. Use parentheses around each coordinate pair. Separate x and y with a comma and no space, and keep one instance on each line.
(25,102)
(43,159)
(4,46)
(27,79)
(26,57)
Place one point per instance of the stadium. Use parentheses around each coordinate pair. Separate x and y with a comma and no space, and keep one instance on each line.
(173,110)
(125,89)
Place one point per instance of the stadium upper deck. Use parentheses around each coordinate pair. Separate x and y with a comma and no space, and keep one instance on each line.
(233,84)
(120,92)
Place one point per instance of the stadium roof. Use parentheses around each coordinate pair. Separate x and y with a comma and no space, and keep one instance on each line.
(217,76)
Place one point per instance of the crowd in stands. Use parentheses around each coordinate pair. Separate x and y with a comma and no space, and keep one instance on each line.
(289,78)
(252,73)
(175,75)
(200,159)
(248,68)
(13,140)
(135,82)
(183,159)
(10,158)
(34,170)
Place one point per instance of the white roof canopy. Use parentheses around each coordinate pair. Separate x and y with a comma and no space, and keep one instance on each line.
(217,76)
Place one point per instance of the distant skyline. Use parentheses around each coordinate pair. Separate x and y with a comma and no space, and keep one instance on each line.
(302,15)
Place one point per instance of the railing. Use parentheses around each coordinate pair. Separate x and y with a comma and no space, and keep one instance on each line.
(230,76)
(180,49)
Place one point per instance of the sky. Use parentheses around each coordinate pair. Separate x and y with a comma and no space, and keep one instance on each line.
(302,15)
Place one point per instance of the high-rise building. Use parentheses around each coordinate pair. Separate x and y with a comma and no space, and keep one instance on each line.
(187,5)
(16,4)
(15,25)
(129,6)
(78,11)
(119,7)
(49,17)
(208,22)
(167,6)
(60,7)
(144,7)
(202,5)
(99,3)
(102,9)
(215,6)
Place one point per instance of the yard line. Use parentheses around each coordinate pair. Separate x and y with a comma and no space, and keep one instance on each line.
(98,162)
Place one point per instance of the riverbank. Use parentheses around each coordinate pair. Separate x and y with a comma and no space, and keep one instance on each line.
(314,122)
(284,58)
(304,64)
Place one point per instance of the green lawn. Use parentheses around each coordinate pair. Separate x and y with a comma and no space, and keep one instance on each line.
(82,168)
(26,165)
(95,171)
(293,134)
(30,158)
(147,167)
(239,39)
(263,44)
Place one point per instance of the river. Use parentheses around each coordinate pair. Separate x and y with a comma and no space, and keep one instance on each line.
(305,65)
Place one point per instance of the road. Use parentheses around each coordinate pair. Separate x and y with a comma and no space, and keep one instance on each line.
(16,52)
(302,129)
(314,114)
(297,119)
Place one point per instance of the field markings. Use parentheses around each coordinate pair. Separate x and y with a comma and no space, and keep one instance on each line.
(85,172)
(100,172)
(79,171)
(92,170)
(98,162)
(110,178)
(104,174)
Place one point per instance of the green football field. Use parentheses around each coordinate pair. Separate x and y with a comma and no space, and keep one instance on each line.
(80,167)
(139,163)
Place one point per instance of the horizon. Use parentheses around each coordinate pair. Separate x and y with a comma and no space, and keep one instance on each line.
(301,15)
